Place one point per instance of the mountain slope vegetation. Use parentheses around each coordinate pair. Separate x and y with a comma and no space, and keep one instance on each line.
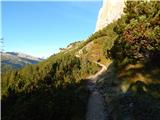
(132,88)
(55,89)
(52,89)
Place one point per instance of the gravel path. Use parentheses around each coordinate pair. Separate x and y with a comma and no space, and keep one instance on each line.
(95,108)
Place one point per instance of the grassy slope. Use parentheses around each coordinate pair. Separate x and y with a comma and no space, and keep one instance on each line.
(97,45)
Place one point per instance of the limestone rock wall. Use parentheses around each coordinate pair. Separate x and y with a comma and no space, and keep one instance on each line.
(110,10)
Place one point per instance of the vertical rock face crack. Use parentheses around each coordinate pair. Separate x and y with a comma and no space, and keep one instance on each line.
(95,108)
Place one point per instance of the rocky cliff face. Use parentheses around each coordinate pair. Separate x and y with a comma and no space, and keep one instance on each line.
(110,10)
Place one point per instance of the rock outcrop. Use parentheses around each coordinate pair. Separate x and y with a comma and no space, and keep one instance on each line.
(110,10)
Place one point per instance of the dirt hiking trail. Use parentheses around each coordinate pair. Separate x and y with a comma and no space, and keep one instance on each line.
(96,106)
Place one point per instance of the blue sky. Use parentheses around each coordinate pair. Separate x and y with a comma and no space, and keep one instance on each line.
(41,28)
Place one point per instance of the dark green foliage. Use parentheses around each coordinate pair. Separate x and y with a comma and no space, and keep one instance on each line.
(65,102)
(50,90)
(137,44)
(139,36)
(135,106)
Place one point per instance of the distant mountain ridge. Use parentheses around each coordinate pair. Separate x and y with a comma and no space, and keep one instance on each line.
(26,56)
(14,60)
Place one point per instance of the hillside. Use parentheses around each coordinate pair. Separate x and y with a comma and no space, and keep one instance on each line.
(131,84)
(118,66)
(14,60)
(59,78)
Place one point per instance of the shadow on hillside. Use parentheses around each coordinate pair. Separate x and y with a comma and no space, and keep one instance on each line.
(140,101)
(46,102)
(150,69)
(108,78)
(135,104)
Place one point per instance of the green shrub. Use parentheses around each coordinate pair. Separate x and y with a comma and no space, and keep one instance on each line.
(139,37)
